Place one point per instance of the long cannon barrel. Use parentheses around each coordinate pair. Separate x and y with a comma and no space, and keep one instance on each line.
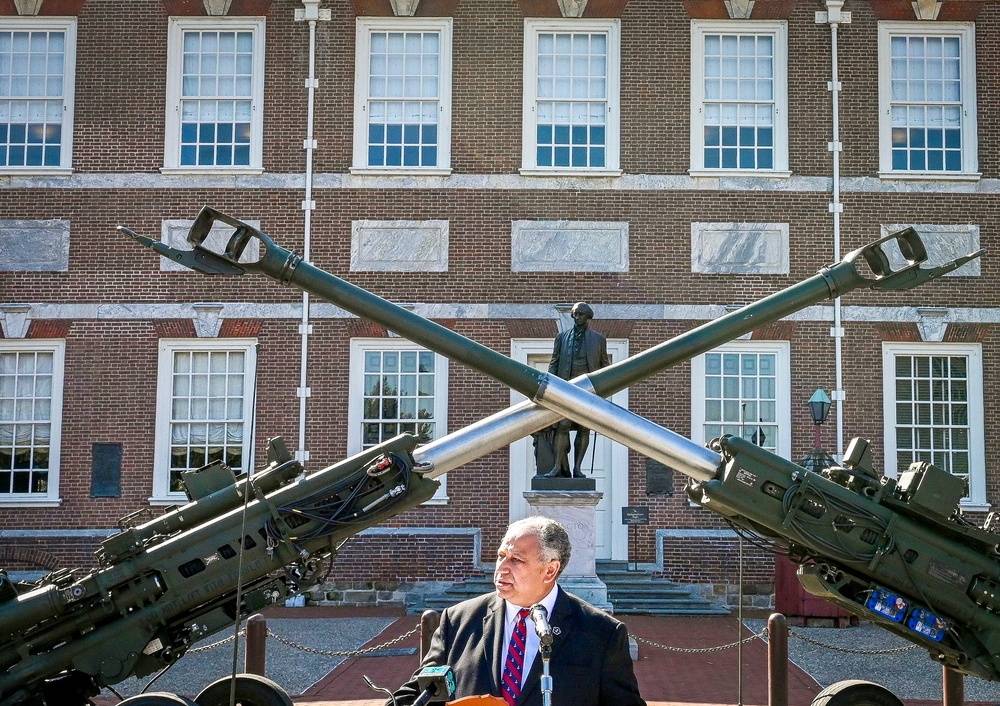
(555,396)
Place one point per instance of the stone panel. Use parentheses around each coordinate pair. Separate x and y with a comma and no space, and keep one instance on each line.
(399,246)
(943,243)
(34,246)
(739,248)
(569,246)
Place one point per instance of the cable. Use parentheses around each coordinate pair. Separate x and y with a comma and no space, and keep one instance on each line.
(370,683)
(756,539)
(833,509)
(243,542)
(239,590)
(150,682)
(338,506)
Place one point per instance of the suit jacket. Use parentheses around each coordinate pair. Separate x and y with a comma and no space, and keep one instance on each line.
(590,664)
(594,344)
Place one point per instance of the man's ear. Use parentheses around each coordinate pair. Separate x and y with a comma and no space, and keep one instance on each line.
(552,571)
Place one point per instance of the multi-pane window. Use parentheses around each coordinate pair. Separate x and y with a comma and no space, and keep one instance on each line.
(571,95)
(928,98)
(403,99)
(742,390)
(36,93)
(741,397)
(216,98)
(398,395)
(216,88)
(30,409)
(402,94)
(738,91)
(571,118)
(206,399)
(396,387)
(936,410)
(932,412)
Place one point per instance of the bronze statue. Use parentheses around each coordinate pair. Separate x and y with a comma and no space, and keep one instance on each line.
(576,351)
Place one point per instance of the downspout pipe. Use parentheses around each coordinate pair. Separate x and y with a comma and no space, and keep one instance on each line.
(311,14)
(835,16)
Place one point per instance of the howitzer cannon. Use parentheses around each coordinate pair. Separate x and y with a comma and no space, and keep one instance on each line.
(242,542)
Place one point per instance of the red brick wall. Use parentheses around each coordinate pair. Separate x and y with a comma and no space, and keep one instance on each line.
(403,558)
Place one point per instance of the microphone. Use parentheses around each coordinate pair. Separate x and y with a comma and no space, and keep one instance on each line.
(542,628)
(436,684)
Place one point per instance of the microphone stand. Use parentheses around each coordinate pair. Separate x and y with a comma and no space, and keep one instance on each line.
(545,651)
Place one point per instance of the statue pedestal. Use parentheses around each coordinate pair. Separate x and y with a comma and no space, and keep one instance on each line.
(540,482)
(577,511)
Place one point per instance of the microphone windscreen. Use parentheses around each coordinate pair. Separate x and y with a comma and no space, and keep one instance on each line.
(441,678)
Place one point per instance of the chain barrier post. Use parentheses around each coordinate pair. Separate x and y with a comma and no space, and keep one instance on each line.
(429,621)
(953,686)
(256,643)
(777,660)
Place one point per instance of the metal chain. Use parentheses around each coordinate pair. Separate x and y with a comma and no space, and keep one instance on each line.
(889,651)
(342,653)
(312,650)
(221,642)
(691,650)
(758,636)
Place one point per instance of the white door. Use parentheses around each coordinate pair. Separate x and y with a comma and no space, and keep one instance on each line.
(606,461)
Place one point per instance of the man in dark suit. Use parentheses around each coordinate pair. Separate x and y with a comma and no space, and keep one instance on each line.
(577,351)
(490,653)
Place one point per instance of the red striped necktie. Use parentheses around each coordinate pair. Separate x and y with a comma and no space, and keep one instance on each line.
(514,666)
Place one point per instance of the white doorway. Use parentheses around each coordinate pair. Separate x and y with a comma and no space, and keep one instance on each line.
(602,456)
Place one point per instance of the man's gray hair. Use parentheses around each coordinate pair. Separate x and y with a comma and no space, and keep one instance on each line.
(552,537)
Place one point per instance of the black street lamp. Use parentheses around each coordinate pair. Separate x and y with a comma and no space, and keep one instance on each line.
(818,459)
(819,406)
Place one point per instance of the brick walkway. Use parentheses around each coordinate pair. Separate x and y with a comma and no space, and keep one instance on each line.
(665,677)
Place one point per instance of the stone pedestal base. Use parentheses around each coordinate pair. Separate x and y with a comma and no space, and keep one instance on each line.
(577,511)
(573,484)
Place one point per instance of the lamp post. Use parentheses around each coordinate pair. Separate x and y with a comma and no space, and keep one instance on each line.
(819,406)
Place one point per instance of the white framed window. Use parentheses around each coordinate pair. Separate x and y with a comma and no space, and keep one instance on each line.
(215,94)
(933,409)
(739,97)
(742,389)
(571,96)
(927,99)
(402,95)
(31,387)
(396,387)
(37,77)
(204,409)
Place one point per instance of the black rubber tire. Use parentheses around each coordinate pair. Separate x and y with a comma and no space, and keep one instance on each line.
(157,698)
(855,692)
(251,690)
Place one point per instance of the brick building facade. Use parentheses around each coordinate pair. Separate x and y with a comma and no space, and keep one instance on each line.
(487,162)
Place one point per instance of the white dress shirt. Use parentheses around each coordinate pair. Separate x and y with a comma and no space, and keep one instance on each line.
(531,639)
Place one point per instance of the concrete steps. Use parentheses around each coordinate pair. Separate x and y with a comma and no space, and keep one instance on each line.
(639,593)
(630,593)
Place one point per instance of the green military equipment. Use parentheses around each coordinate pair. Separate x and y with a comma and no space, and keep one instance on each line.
(243,542)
